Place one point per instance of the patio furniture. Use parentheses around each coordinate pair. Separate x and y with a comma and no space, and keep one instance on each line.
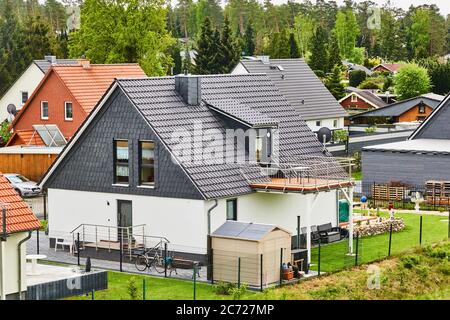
(328,233)
(315,234)
(62,243)
(34,258)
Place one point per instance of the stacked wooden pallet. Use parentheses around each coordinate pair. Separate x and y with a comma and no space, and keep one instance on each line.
(388,193)
(438,192)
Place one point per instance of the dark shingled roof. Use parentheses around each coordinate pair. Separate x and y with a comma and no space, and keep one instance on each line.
(244,230)
(398,108)
(45,65)
(166,112)
(299,84)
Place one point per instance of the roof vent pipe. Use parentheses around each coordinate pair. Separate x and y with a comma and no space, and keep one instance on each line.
(190,88)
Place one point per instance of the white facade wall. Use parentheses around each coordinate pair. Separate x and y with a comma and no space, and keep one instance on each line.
(329,123)
(10,264)
(28,82)
(182,221)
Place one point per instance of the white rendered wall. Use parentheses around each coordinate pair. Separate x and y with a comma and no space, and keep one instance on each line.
(27,82)
(11,264)
(329,123)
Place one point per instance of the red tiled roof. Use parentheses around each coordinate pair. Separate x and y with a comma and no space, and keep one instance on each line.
(19,216)
(392,66)
(25,137)
(88,84)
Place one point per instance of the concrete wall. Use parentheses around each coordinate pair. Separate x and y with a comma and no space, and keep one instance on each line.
(10,264)
(27,82)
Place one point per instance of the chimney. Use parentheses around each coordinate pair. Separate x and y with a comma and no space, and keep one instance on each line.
(51,59)
(85,63)
(264,59)
(190,88)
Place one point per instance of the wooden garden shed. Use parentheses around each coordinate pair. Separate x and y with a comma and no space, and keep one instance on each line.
(256,250)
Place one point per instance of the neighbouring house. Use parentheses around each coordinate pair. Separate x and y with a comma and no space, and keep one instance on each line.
(391,68)
(301,87)
(66,96)
(423,157)
(23,87)
(360,100)
(160,157)
(350,66)
(17,221)
(415,109)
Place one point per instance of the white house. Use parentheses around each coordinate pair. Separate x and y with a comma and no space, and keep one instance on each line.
(301,87)
(16,223)
(24,86)
(163,157)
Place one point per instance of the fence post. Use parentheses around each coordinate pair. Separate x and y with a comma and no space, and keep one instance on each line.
(281,266)
(45,205)
(143,289)
(78,248)
(448,233)
(165,259)
(120,249)
(37,241)
(318,258)
(93,294)
(390,240)
(195,280)
(261,271)
(357,248)
(298,232)
(420,234)
(239,273)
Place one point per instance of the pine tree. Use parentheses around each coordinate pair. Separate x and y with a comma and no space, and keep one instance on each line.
(175,52)
(284,50)
(39,38)
(229,49)
(188,67)
(206,48)
(293,46)
(334,56)
(249,40)
(334,85)
(319,60)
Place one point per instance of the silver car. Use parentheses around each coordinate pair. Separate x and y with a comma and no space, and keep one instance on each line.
(22,185)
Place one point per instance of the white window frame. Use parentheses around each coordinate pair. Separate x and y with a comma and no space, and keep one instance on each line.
(65,111)
(354,98)
(42,113)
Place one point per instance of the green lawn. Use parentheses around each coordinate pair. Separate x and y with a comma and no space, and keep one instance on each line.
(157,289)
(334,256)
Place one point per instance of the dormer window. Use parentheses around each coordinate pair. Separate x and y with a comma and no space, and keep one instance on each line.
(421,108)
(263,145)
(354,98)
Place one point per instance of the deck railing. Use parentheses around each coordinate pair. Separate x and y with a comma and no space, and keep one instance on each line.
(300,174)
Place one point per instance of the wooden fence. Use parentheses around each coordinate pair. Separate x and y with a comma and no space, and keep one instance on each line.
(32,166)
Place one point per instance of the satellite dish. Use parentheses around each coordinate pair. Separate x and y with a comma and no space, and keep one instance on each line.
(324,136)
(12,110)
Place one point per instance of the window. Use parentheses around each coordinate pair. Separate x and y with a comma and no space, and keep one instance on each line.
(24,96)
(232,209)
(318,123)
(68,111)
(263,145)
(146,163)
(335,123)
(44,110)
(121,158)
(421,108)
(354,98)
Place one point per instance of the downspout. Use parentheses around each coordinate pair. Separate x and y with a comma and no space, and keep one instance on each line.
(208,241)
(209,215)
(19,249)
(2,283)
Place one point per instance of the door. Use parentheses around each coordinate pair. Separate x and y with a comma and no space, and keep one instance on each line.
(124,218)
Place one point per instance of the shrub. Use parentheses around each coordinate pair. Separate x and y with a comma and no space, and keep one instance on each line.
(340,135)
(410,261)
(411,81)
(356,78)
(132,288)
(369,84)
(237,293)
(223,288)
(439,253)
(370,130)
(423,271)
(444,268)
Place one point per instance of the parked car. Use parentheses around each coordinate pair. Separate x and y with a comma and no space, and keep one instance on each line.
(24,186)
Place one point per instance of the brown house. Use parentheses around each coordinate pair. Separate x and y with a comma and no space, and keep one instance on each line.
(392,68)
(360,101)
(65,97)
(416,109)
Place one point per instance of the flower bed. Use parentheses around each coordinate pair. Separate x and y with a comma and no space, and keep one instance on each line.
(379,227)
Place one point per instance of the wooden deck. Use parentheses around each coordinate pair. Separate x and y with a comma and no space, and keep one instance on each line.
(301,184)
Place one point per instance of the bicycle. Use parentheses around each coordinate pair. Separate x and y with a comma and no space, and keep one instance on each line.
(146,261)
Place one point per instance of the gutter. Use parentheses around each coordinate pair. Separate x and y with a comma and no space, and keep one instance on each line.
(209,215)
(19,250)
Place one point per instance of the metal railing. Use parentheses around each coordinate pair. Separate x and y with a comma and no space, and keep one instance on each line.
(124,239)
(300,173)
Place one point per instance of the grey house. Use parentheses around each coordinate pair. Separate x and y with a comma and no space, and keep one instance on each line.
(301,87)
(425,156)
(152,163)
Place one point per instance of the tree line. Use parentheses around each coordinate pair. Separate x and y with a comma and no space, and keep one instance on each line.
(154,34)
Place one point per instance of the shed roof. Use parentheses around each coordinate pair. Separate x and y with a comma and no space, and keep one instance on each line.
(301,87)
(19,216)
(244,230)
(434,146)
